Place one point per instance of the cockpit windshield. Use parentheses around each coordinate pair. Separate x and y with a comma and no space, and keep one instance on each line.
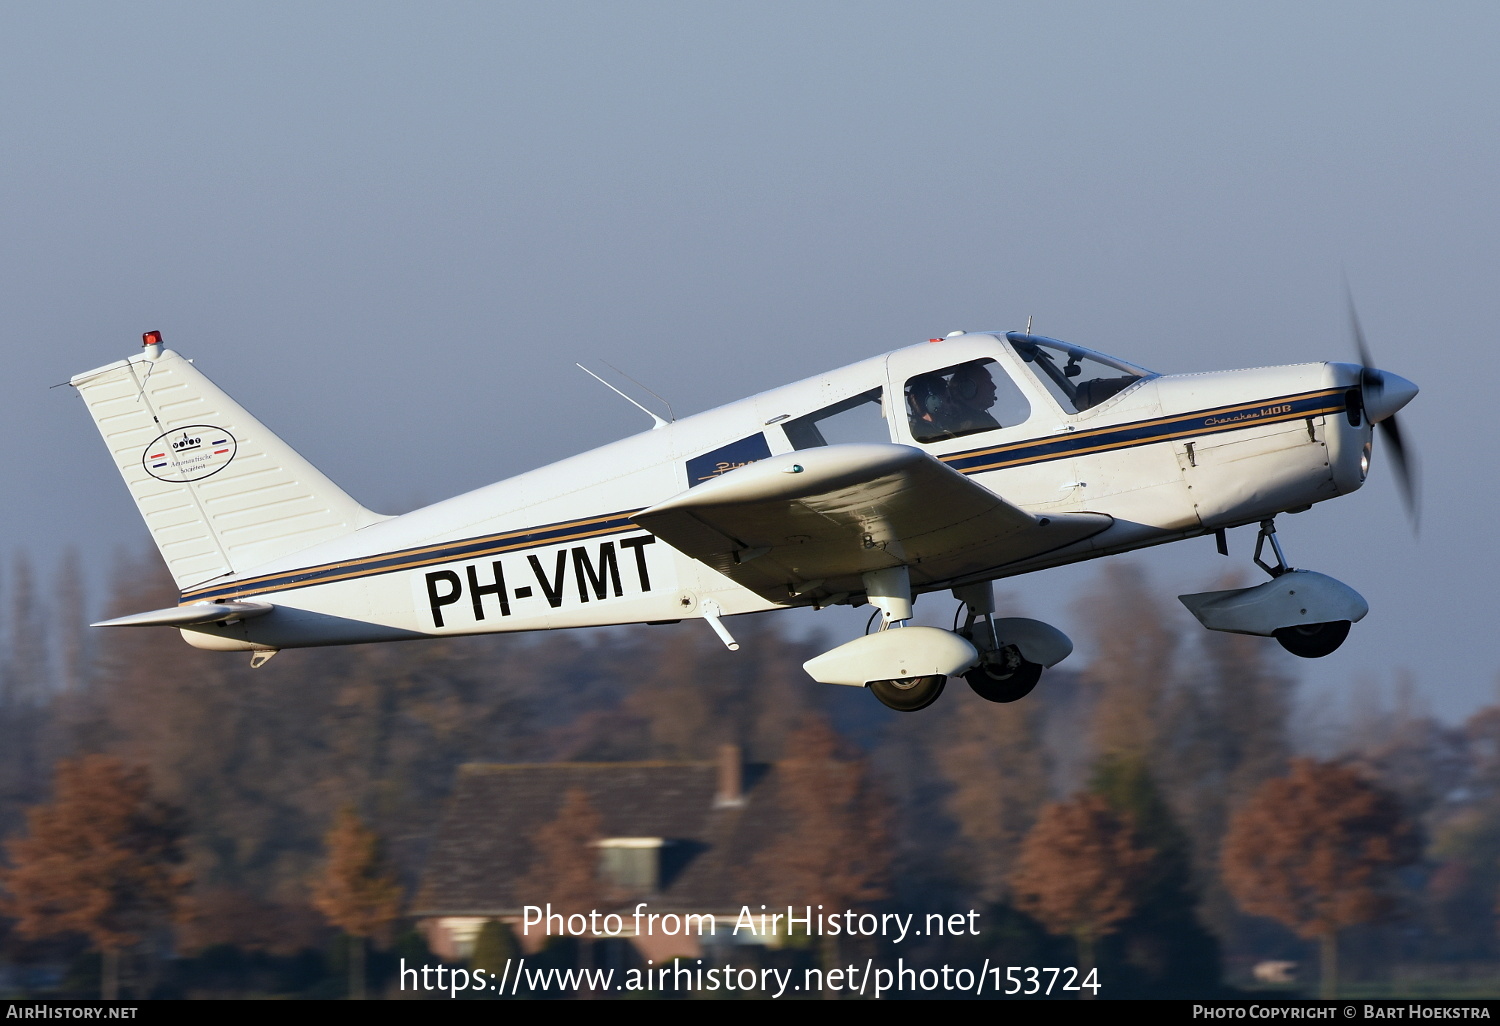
(1078,378)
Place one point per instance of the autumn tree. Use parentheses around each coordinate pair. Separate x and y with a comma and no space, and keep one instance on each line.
(996,768)
(1162,939)
(1313,849)
(493,948)
(1135,643)
(986,776)
(756,698)
(833,853)
(103,860)
(357,892)
(384,727)
(1227,733)
(564,868)
(1079,871)
(25,689)
(1465,844)
(833,848)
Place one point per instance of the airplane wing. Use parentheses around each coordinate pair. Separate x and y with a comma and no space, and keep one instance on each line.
(814,520)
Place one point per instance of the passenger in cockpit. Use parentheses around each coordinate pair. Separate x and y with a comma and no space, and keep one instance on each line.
(926,397)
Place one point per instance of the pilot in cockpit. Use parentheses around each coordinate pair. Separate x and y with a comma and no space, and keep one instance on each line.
(971,393)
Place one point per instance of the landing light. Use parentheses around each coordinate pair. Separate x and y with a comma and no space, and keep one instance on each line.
(1364,462)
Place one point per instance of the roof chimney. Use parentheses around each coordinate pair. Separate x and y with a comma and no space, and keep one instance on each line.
(731,793)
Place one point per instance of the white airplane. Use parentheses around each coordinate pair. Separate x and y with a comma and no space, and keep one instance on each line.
(938,467)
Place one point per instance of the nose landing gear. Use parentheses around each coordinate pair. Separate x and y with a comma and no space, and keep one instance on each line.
(1309,614)
(1313,640)
(1308,640)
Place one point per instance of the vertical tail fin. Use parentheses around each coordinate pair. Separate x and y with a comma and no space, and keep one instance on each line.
(219,492)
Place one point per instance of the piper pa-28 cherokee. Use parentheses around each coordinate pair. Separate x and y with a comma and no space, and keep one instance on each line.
(939,467)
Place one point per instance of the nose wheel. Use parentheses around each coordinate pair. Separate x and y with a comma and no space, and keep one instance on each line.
(1308,640)
(1313,640)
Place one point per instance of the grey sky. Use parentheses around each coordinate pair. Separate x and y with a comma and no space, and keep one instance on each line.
(389,230)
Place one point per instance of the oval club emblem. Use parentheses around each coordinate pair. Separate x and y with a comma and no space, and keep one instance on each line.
(189,453)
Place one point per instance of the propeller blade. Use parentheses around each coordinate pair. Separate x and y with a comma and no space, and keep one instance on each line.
(1357,331)
(1369,377)
(1372,385)
(1405,467)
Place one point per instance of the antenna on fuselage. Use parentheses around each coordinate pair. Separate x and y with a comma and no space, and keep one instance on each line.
(657,421)
(1028,324)
(671,417)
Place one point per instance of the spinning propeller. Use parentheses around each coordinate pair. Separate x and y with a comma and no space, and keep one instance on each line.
(1382,394)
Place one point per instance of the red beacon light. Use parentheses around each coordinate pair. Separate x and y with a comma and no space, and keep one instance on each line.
(151,340)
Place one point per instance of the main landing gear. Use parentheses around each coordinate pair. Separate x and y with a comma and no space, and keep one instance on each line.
(906,667)
(1309,614)
(908,694)
(890,592)
(1003,673)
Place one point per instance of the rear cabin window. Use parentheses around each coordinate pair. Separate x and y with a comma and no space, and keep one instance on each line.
(963,400)
(859,418)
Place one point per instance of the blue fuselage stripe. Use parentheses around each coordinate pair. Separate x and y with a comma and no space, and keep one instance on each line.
(1202,422)
(468,548)
(972,461)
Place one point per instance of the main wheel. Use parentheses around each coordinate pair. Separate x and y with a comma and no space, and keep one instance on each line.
(1313,640)
(1004,676)
(908,694)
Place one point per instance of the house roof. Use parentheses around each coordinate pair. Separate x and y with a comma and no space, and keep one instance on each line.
(484,844)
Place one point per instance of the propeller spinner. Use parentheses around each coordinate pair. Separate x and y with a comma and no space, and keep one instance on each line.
(1382,394)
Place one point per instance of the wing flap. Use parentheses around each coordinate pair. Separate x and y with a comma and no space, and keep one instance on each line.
(819,518)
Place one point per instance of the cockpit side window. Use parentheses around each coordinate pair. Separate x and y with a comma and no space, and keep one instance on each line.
(963,400)
(859,418)
(1079,379)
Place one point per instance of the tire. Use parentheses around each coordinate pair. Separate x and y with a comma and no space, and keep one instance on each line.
(1007,678)
(1313,640)
(909,693)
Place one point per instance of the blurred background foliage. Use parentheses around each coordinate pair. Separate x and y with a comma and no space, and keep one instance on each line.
(1171,729)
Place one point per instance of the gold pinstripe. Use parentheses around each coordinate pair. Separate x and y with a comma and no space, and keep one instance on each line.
(1132,442)
(238,588)
(360,568)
